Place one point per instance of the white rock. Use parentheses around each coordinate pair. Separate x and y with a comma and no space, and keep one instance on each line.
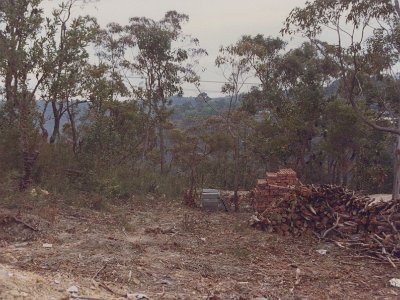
(322,251)
(73,289)
(44,192)
(137,296)
(395,282)
(4,275)
(34,193)
(57,281)
(47,246)
(20,245)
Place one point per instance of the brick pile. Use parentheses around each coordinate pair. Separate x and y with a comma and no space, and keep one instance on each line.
(274,187)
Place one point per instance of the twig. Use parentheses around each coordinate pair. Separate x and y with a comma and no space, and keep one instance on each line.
(350,264)
(88,298)
(391,262)
(104,286)
(98,272)
(339,244)
(333,227)
(387,257)
(387,219)
(25,224)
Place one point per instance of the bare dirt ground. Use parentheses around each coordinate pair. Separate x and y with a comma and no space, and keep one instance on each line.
(167,251)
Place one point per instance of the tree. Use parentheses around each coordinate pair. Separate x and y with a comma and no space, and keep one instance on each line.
(23,70)
(354,51)
(163,66)
(236,70)
(189,151)
(40,57)
(68,52)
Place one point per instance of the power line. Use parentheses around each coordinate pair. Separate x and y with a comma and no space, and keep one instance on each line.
(212,81)
(204,81)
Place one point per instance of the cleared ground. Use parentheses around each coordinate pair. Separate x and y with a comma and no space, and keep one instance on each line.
(167,251)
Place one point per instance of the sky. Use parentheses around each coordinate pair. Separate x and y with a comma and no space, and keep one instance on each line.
(215,23)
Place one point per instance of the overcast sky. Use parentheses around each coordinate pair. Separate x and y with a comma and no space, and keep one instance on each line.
(213,22)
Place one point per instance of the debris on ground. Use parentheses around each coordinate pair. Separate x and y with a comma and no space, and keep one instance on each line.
(73,291)
(17,228)
(236,262)
(160,230)
(335,213)
(165,282)
(395,282)
(137,296)
(322,251)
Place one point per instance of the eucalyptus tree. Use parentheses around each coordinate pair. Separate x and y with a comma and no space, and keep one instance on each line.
(68,50)
(236,70)
(366,48)
(162,59)
(23,70)
(40,57)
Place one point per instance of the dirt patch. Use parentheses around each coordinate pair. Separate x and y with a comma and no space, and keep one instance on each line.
(20,228)
(133,249)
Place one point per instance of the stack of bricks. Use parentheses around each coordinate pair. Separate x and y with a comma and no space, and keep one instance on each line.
(274,187)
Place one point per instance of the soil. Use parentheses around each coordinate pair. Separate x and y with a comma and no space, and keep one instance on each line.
(167,251)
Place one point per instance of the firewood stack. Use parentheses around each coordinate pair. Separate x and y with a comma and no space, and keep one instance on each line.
(275,186)
(350,220)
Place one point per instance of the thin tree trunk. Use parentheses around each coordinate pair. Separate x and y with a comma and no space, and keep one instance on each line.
(28,141)
(147,136)
(73,128)
(162,148)
(29,160)
(236,176)
(56,126)
(396,180)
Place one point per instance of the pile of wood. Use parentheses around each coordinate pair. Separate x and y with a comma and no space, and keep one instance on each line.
(350,220)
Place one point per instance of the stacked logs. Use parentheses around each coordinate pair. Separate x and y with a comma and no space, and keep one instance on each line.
(350,220)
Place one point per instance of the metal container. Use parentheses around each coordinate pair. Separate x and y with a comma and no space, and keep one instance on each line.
(211,200)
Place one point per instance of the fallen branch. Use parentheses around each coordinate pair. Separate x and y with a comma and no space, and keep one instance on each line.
(25,224)
(333,227)
(99,271)
(104,286)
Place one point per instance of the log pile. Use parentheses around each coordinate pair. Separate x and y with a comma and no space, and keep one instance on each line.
(350,220)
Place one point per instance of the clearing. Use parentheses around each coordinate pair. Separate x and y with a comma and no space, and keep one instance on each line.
(167,251)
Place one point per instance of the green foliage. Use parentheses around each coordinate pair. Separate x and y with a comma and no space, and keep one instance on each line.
(113,139)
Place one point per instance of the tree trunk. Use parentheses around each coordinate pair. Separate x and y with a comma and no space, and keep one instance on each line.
(56,127)
(73,128)
(29,160)
(162,148)
(236,176)
(28,140)
(396,179)
(147,136)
